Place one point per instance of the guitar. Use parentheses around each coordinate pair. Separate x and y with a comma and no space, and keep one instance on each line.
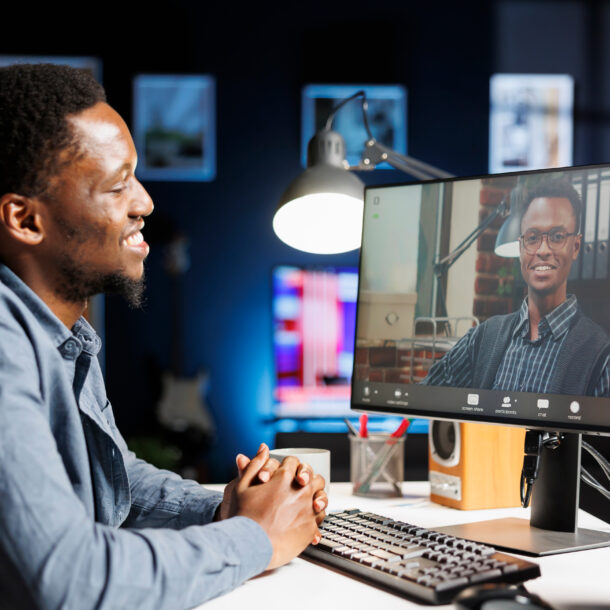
(182,407)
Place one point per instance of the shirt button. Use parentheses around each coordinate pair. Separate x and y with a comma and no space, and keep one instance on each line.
(70,348)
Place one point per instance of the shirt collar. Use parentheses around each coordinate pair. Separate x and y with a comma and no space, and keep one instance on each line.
(523,324)
(557,322)
(57,331)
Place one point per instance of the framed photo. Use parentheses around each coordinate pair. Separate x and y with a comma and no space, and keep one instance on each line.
(387,116)
(93,64)
(530,122)
(174,127)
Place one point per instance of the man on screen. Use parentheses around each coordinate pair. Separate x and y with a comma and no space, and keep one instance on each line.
(548,345)
(83,522)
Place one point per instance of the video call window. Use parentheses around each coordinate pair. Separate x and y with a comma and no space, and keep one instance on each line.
(459,326)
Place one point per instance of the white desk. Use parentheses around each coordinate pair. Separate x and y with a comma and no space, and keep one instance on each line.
(571,580)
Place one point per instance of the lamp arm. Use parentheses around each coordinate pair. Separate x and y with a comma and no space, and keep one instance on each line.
(443,265)
(365,119)
(375,153)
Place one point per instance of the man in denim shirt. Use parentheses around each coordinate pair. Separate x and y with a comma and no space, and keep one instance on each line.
(83,522)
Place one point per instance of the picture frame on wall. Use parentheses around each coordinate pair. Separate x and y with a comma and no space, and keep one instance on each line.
(530,121)
(387,117)
(93,64)
(174,127)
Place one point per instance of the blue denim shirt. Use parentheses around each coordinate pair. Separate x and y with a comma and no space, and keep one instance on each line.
(83,522)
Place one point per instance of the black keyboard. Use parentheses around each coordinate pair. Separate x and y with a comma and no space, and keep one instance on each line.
(410,560)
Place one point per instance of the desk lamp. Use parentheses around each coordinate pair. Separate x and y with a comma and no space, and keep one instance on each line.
(321,210)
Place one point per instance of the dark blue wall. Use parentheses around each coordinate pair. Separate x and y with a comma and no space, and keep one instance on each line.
(443,52)
(261,63)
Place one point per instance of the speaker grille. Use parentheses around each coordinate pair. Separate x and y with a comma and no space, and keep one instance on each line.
(443,438)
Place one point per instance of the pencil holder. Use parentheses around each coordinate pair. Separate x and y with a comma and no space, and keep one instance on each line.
(377,465)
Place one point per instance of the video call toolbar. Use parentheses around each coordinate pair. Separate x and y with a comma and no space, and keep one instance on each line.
(552,410)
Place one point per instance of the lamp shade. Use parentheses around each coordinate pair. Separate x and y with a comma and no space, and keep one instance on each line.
(507,241)
(321,210)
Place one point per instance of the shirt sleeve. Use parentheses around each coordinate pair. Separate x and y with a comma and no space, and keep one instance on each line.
(455,368)
(53,554)
(160,498)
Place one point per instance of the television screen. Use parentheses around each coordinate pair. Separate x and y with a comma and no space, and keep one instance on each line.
(314,317)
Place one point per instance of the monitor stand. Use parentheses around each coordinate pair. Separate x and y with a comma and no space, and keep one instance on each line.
(552,527)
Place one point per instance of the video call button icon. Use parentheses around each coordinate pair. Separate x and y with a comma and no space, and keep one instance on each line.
(473,399)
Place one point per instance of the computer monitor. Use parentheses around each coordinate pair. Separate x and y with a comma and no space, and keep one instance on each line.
(448,329)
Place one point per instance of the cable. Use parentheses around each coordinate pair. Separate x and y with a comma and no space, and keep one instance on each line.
(531,463)
(365,118)
(589,479)
(599,458)
(535,441)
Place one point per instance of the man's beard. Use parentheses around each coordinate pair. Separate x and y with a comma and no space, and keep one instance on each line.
(77,284)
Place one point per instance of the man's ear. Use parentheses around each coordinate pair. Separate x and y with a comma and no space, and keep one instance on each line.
(20,217)
(577,244)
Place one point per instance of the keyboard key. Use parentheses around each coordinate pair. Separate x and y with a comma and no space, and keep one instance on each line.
(451,584)
(397,550)
(328,545)
(484,576)
(413,552)
(385,555)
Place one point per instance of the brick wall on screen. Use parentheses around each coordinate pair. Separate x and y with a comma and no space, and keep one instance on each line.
(494,274)
(391,363)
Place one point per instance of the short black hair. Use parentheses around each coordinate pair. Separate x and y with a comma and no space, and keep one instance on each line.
(555,187)
(35,100)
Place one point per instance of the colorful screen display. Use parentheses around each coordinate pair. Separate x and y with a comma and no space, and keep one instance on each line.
(314,317)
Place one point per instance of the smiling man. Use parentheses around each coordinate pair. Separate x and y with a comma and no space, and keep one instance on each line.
(83,522)
(548,345)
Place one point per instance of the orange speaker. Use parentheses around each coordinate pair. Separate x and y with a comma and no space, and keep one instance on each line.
(474,466)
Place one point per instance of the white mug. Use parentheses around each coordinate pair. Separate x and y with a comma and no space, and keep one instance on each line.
(318,459)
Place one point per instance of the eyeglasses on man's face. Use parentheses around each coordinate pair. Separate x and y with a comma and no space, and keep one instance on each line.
(556,239)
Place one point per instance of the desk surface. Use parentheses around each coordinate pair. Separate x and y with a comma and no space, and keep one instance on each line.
(571,580)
